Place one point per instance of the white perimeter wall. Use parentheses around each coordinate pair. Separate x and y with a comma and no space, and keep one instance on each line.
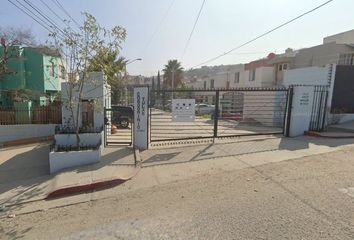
(306,76)
(15,132)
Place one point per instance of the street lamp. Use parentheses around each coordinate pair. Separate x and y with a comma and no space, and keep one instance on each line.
(125,74)
(131,61)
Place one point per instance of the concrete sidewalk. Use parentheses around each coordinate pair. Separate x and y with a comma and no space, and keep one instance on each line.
(245,147)
(343,130)
(168,164)
(342,127)
(25,178)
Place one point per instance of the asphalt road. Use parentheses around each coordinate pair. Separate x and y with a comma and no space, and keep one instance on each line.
(308,198)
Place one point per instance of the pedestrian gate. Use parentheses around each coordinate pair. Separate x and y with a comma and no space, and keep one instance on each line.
(114,131)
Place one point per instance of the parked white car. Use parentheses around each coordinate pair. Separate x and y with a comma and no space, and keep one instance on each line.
(203,108)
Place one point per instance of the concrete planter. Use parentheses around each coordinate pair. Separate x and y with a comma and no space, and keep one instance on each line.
(59,160)
(63,160)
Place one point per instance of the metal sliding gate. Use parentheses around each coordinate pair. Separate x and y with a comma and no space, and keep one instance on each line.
(218,113)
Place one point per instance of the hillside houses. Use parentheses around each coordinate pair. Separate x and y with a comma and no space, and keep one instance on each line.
(269,71)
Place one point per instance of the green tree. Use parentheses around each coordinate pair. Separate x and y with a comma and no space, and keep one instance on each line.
(113,67)
(173,69)
(85,48)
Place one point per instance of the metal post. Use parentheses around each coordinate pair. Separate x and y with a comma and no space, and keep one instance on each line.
(105,128)
(172,83)
(288,114)
(324,112)
(216,114)
(318,127)
(163,100)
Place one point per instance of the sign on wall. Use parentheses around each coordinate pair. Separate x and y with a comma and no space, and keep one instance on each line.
(183,110)
(141,111)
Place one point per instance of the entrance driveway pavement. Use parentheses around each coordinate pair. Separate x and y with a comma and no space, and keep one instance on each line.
(301,146)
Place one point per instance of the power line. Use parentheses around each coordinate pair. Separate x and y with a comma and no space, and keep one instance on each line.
(159,26)
(66,12)
(262,35)
(53,31)
(195,24)
(54,13)
(44,25)
(49,20)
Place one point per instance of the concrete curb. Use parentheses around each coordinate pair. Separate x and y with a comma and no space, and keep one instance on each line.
(318,134)
(95,185)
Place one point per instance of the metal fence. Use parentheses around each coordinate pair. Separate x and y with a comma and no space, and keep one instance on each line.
(319,108)
(35,115)
(219,113)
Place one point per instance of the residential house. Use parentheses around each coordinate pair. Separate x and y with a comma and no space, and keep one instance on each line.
(259,73)
(336,49)
(36,75)
(220,77)
(341,38)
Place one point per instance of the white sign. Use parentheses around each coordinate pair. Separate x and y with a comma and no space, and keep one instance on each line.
(183,110)
(141,111)
(301,110)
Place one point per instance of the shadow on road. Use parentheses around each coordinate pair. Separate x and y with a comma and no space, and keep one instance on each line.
(182,154)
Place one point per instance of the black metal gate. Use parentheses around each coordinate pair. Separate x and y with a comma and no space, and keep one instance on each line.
(117,131)
(319,109)
(219,113)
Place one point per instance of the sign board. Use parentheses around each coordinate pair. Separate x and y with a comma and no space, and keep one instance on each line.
(141,111)
(183,110)
(301,110)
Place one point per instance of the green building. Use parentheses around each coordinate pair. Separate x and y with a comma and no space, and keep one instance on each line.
(36,75)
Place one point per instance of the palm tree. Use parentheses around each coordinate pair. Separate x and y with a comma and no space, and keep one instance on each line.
(173,69)
(113,67)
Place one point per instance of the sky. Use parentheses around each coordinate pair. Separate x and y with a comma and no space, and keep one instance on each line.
(157,30)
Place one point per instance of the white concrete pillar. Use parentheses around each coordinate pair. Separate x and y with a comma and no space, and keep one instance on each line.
(141,118)
(301,110)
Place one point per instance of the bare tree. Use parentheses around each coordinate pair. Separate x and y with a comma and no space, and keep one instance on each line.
(10,39)
(80,49)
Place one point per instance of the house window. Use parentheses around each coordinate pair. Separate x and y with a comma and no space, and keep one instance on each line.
(62,72)
(50,69)
(205,83)
(212,83)
(252,75)
(237,77)
(282,67)
(346,59)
